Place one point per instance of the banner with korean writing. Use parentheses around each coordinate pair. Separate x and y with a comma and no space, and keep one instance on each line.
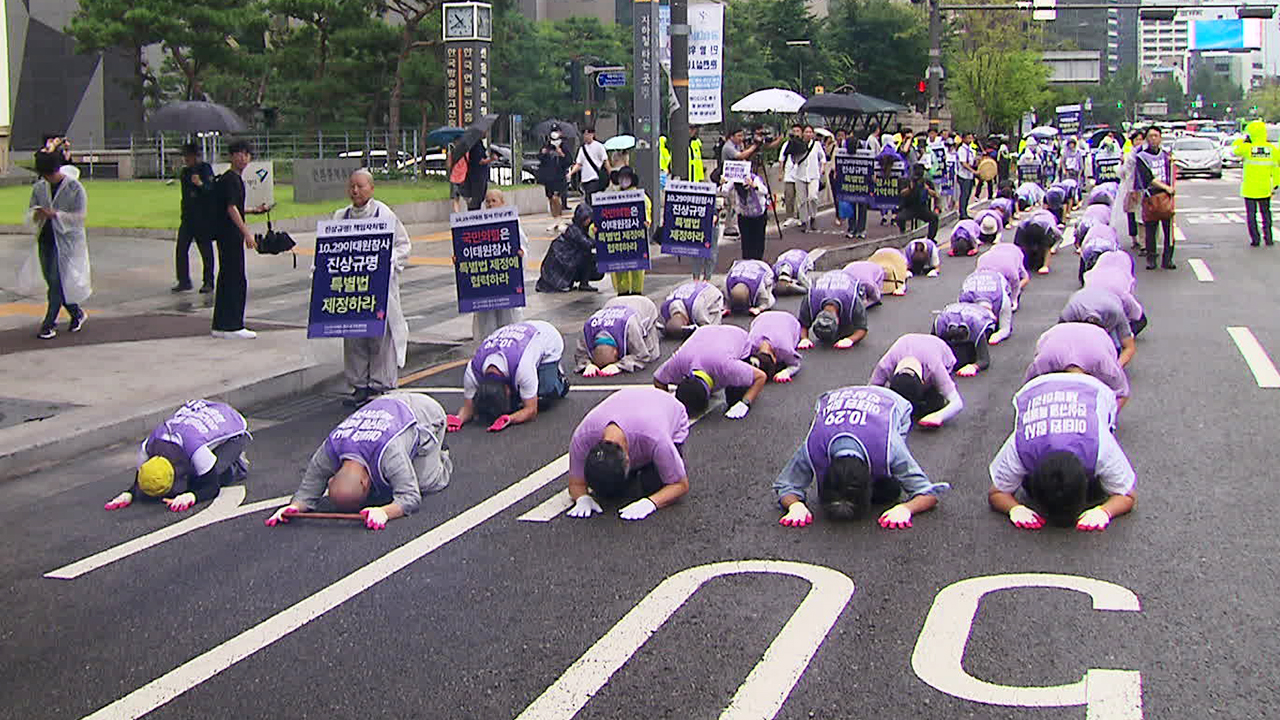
(1068,119)
(489,268)
(706,58)
(351,278)
(947,180)
(889,184)
(738,171)
(622,240)
(1030,172)
(855,175)
(688,218)
(1106,169)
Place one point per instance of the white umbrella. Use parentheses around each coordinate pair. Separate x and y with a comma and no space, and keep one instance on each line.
(620,142)
(770,100)
(1044,131)
(823,132)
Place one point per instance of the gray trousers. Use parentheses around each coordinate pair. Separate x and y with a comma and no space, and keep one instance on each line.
(371,362)
(789,197)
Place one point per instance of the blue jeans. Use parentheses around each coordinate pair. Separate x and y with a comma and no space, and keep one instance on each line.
(53,278)
(552,384)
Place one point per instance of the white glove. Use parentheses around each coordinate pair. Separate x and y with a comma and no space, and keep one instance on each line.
(933,273)
(638,510)
(1093,519)
(804,344)
(738,411)
(590,370)
(897,517)
(122,500)
(784,375)
(610,370)
(182,502)
(1025,518)
(797,516)
(585,507)
(374,518)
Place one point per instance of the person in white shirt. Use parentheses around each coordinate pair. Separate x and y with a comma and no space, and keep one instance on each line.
(966,166)
(592,162)
(789,174)
(809,166)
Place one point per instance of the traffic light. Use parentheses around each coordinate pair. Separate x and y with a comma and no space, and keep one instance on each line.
(573,80)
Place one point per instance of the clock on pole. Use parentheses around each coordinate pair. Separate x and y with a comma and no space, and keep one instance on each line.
(468,32)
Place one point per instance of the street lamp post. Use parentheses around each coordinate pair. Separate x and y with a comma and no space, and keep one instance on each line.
(798,44)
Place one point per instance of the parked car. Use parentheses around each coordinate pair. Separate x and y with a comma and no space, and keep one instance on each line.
(377,160)
(1197,155)
(499,170)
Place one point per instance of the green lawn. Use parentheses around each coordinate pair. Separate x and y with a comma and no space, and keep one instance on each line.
(153,204)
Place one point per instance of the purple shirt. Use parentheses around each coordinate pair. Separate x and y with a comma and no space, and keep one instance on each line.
(1082,345)
(654,422)
(1059,414)
(837,287)
(1114,273)
(1097,214)
(1104,194)
(864,413)
(796,262)
(1099,239)
(781,330)
(685,293)
(752,272)
(975,317)
(1042,218)
(868,275)
(1008,260)
(1004,206)
(718,350)
(199,424)
(967,229)
(366,433)
(935,356)
(610,320)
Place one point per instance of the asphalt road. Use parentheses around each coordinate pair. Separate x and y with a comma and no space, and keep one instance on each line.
(489,611)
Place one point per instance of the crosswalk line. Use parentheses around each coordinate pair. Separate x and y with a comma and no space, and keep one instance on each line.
(1255,356)
(1201,269)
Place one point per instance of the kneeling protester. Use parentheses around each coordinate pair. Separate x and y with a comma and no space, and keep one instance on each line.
(620,337)
(189,457)
(380,461)
(773,338)
(749,287)
(918,367)
(791,272)
(870,279)
(691,305)
(629,446)
(856,451)
(834,312)
(967,235)
(713,358)
(514,373)
(967,328)
(922,257)
(1063,456)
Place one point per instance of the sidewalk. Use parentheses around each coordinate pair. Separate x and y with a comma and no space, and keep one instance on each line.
(146,350)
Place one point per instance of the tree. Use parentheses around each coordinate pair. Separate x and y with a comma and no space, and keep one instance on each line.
(1169,91)
(994,68)
(411,14)
(100,25)
(880,47)
(304,43)
(1264,101)
(757,35)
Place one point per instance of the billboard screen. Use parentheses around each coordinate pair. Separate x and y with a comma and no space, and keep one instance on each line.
(1226,35)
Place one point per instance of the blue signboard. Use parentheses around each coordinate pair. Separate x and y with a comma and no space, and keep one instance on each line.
(688,218)
(854,175)
(622,238)
(890,181)
(488,265)
(351,278)
(611,79)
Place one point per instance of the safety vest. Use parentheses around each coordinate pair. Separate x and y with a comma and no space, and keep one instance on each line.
(697,173)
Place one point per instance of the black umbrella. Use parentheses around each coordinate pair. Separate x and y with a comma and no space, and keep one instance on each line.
(544,128)
(471,136)
(194,116)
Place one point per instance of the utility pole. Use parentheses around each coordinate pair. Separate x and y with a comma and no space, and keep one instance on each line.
(679,144)
(935,61)
(646,83)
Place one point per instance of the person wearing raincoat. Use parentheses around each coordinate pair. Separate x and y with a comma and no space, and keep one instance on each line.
(57,212)
(1261,175)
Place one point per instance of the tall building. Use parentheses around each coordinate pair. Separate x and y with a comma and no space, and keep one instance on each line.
(1111,32)
(1166,50)
(54,90)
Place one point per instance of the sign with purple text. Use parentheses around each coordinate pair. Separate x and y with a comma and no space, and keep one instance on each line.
(351,278)
(488,265)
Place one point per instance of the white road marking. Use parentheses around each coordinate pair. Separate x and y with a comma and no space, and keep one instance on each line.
(766,687)
(549,509)
(1264,371)
(1178,235)
(224,507)
(939,651)
(208,664)
(1201,269)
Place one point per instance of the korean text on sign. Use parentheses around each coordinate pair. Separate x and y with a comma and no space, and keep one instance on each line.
(622,240)
(855,175)
(688,219)
(489,269)
(351,280)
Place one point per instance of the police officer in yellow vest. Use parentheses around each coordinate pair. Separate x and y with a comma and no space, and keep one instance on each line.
(1261,176)
(697,173)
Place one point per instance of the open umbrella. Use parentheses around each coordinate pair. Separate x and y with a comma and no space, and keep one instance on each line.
(195,116)
(442,136)
(770,100)
(471,135)
(1044,131)
(619,143)
(544,128)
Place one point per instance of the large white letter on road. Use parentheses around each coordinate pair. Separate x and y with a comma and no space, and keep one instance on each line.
(1109,694)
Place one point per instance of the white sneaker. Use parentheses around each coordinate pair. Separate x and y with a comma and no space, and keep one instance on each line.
(242,334)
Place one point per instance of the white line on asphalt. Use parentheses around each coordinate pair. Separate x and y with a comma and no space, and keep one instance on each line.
(1264,371)
(1178,236)
(208,664)
(766,688)
(1201,269)
(550,509)
(224,507)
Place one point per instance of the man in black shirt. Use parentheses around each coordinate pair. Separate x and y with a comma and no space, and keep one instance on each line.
(233,286)
(198,207)
(478,160)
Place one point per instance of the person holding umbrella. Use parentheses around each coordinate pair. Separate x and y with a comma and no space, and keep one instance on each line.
(470,145)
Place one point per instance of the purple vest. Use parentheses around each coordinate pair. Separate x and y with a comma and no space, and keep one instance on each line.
(796,262)
(1057,415)
(867,274)
(510,342)
(967,229)
(863,412)
(612,320)
(684,293)
(365,434)
(974,317)
(837,287)
(1099,239)
(1004,206)
(1158,165)
(986,285)
(199,423)
(1055,196)
(1104,194)
(928,244)
(1044,219)
(751,272)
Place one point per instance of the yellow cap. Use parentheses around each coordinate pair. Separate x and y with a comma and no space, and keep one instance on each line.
(155,477)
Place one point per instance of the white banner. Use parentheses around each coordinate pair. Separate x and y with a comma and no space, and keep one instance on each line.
(706,59)
(259,181)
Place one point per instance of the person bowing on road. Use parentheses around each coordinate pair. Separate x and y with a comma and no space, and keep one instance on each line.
(1009,260)
(189,457)
(967,328)
(712,359)
(691,305)
(923,258)
(918,367)
(1063,456)
(834,312)
(856,452)
(990,290)
(749,285)
(870,279)
(773,338)
(620,337)
(379,461)
(514,373)
(1080,348)
(627,446)
(967,236)
(1113,272)
(1038,235)
(1103,308)
(791,272)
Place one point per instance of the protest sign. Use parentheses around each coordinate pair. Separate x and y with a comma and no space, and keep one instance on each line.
(854,176)
(351,279)
(489,269)
(622,240)
(688,218)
